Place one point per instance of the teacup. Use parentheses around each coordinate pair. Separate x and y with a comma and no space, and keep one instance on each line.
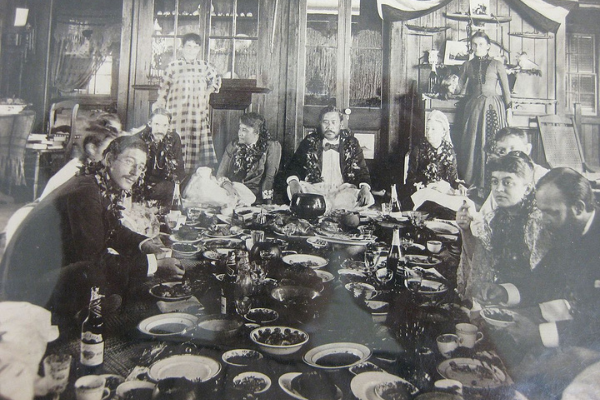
(447,343)
(468,335)
(434,246)
(91,387)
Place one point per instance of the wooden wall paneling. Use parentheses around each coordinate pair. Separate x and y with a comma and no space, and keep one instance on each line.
(126,60)
(560,71)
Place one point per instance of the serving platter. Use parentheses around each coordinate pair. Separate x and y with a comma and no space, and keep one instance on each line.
(363,385)
(285,382)
(165,325)
(155,292)
(177,239)
(441,227)
(343,238)
(192,367)
(222,242)
(472,373)
(337,355)
(314,262)
(421,260)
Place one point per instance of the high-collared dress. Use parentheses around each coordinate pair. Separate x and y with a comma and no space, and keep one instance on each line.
(185,91)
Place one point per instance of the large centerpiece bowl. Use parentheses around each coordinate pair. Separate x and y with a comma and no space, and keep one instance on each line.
(308,205)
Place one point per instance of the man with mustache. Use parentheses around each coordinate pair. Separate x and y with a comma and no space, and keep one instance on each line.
(73,239)
(330,162)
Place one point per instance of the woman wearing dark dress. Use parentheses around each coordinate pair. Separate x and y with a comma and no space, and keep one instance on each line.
(165,157)
(485,111)
(251,159)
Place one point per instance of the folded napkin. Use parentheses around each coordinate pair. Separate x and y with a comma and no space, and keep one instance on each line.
(180,306)
(452,202)
(25,329)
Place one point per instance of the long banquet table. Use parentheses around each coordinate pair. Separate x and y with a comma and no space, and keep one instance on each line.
(402,342)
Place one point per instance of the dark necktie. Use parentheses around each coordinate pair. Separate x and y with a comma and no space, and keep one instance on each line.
(330,146)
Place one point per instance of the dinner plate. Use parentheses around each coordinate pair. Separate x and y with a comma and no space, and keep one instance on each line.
(314,262)
(343,238)
(233,232)
(363,385)
(285,382)
(177,239)
(154,292)
(432,287)
(351,273)
(283,235)
(441,227)
(169,324)
(337,355)
(421,260)
(325,276)
(472,373)
(192,367)
(241,357)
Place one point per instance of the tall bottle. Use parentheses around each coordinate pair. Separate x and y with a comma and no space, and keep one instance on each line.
(243,285)
(394,203)
(92,335)
(176,204)
(396,261)
(433,79)
(227,286)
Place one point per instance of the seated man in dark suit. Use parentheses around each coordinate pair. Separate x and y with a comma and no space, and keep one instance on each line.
(73,239)
(330,162)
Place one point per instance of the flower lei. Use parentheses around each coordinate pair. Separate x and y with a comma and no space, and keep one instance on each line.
(111,193)
(437,163)
(349,150)
(246,157)
(161,155)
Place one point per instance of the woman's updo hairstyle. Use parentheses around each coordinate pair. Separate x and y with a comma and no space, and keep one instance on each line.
(257,122)
(515,162)
(481,34)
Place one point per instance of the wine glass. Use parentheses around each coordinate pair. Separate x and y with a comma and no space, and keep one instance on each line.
(413,280)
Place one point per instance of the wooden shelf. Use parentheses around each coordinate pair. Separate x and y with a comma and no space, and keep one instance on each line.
(532,35)
(492,19)
(235,94)
(426,30)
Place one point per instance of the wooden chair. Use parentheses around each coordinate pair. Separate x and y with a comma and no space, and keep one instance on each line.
(14,130)
(62,129)
(560,139)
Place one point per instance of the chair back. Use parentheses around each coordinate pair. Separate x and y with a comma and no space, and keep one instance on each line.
(560,140)
(55,127)
(14,130)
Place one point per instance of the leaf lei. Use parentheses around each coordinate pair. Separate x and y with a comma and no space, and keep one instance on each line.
(246,157)
(349,165)
(444,159)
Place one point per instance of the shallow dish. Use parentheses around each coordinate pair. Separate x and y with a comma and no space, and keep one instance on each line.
(170,324)
(141,390)
(185,250)
(252,382)
(192,367)
(337,355)
(424,261)
(361,290)
(171,291)
(218,326)
(294,295)
(314,262)
(472,373)
(285,382)
(279,340)
(363,385)
(224,231)
(261,315)
(395,390)
(363,367)
(429,287)
(241,357)
(443,228)
(498,317)
(222,243)
(316,242)
(325,276)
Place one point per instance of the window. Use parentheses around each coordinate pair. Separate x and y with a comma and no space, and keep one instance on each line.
(581,72)
(101,81)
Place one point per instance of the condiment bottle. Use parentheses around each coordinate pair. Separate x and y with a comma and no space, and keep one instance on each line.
(227,286)
(92,336)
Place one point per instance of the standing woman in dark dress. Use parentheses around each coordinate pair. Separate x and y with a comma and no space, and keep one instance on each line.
(165,157)
(485,112)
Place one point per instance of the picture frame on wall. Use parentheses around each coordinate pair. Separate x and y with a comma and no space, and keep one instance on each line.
(367,143)
(456,52)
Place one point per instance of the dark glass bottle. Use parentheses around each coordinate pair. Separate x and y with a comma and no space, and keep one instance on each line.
(92,336)
(396,261)
(176,204)
(228,286)
(433,77)
(394,203)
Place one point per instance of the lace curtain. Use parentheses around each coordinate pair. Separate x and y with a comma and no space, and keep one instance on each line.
(79,49)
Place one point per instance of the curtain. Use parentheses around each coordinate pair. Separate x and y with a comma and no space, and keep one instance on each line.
(79,49)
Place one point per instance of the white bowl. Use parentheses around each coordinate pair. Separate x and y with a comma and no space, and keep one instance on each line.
(488,314)
(278,349)
(126,387)
(241,357)
(237,381)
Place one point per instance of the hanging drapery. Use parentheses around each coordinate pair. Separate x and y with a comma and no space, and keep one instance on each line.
(79,49)
(546,15)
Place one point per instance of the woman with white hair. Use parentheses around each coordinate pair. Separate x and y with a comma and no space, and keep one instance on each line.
(432,158)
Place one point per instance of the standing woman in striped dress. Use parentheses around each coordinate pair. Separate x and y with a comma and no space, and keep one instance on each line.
(486,110)
(185,91)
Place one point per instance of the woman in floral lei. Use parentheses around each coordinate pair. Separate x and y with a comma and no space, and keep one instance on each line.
(165,157)
(432,160)
(251,159)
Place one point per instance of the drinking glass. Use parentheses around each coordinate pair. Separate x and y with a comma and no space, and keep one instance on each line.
(257,236)
(385,209)
(193,213)
(56,372)
(413,280)
(243,305)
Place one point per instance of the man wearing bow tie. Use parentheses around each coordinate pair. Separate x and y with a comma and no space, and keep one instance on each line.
(330,162)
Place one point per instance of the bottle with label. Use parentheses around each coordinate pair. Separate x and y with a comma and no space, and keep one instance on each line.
(394,203)
(175,208)
(243,285)
(396,261)
(92,335)
(227,286)
(433,79)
